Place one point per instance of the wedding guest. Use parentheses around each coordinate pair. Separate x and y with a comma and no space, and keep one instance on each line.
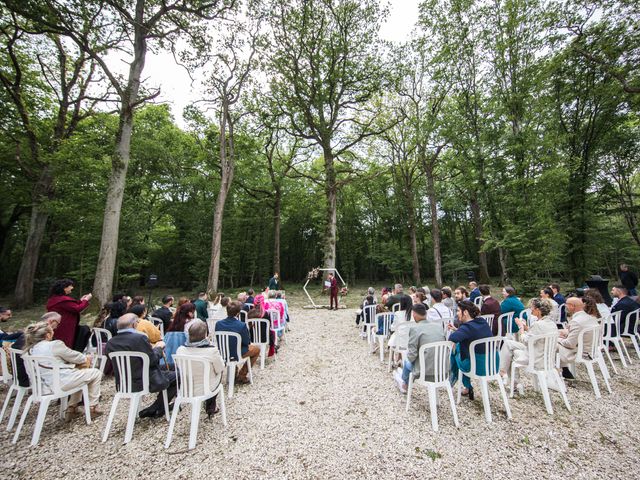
(69,309)
(579,320)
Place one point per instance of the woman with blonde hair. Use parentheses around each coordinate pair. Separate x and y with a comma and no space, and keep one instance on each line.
(39,341)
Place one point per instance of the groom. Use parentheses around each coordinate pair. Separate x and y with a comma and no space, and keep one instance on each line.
(333,291)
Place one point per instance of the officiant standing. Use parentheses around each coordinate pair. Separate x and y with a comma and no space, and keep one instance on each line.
(274,282)
(333,291)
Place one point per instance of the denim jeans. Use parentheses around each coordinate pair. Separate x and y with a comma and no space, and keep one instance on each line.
(407,368)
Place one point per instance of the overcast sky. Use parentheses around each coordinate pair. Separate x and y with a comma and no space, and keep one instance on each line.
(175,84)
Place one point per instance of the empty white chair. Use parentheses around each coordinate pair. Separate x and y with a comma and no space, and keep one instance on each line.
(387,319)
(478,301)
(492,373)
(277,324)
(548,345)
(368,320)
(224,346)
(124,385)
(591,357)
(505,325)
(99,336)
(441,352)
(259,328)
(611,324)
(632,332)
(14,388)
(158,323)
(186,394)
(44,394)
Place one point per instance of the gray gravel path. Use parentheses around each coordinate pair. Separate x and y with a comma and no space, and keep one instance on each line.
(325,408)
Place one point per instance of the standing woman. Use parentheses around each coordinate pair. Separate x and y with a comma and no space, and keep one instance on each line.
(69,309)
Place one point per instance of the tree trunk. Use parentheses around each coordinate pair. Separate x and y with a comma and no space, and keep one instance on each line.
(103,283)
(42,191)
(332,210)
(276,229)
(435,225)
(479,231)
(414,245)
(227,170)
(504,274)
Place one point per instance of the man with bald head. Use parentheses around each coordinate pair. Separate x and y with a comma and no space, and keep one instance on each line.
(579,320)
(129,339)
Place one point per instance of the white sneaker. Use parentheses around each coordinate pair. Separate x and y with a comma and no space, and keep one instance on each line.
(520,388)
(397,375)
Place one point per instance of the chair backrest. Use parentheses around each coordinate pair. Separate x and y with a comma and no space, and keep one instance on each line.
(249,305)
(505,324)
(274,316)
(445,324)
(402,334)
(259,330)
(478,301)
(387,320)
(594,350)
(631,324)
(491,365)
(369,314)
(123,364)
(548,345)
(15,353)
(6,376)
(441,354)
(244,316)
(226,347)
(101,337)
(185,377)
(395,307)
(526,317)
(39,387)
(562,313)
(158,323)
(613,320)
(488,318)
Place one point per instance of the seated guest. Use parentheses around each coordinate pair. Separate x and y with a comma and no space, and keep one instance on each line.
(461,294)
(250,296)
(603,310)
(511,303)
(448,301)
(5,315)
(399,297)
(425,293)
(438,311)
(385,293)
(145,326)
(380,310)
(544,324)
(474,291)
(490,306)
(579,320)
(201,306)
(626,305)
(280,298)
(369,299)
(247,349)
(423,332)
(129,339)
(39,341)
(164,312)
(242,298)
(419,297)
(52,319)
(116,310)
(472,327)
(547,294)
(183,317)
(199,346)
(559,299)
(137,300)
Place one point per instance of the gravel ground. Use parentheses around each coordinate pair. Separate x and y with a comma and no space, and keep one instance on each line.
(325,408)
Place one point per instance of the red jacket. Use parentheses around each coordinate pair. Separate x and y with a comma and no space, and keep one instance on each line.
(334,286)
(69,309)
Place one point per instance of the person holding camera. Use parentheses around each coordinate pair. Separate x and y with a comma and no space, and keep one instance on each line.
(69,308)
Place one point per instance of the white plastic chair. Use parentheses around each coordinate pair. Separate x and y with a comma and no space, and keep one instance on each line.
(492,373)
(185,394)
(527,317)
(488,318)
(6,375)
(402,332)
(604,348)
(441,356)
(632,332)
(224,346)
(546,370)
(101,337)
(505,325)
(44,394)
(562,308)
(478,301)
(611,323)
(277,324)
(368,320)
(387,319)
(15,387)
(260,336)
(122,364)
(158,323)
(244,316)
(593,356)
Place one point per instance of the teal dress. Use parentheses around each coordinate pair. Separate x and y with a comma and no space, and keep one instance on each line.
(512,304)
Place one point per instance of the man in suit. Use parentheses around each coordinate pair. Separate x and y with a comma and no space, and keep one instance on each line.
(474,291)
(490,306)
(626,305)
(274,282)
(568,341)
(400,297)
(129,339)
(164,312)
(628,279)
(559,299)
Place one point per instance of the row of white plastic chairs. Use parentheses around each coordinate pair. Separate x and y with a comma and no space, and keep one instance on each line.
(541,373)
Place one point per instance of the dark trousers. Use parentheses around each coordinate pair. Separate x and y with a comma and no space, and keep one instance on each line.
(333,297)
(172,388)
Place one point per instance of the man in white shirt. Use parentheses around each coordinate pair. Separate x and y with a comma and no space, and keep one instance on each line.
(438,311)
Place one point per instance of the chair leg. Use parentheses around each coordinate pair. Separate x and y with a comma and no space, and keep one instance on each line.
(112,414)
(634,341)
(562,388)
(63,406)
(542,381)
(409,390)
(263,355)
(42,414)
(223,407)
(454,410)
(131,419)
(624,347)
(605,373)
(6,402)
(619,344)
(231,378)
(250,371)
(513,378)
(485,399)
(172,423)
(503,391)
(592,377)
(381,349)
(433,407)
(25,412)
(195,419)
(87,407)
(165,398)
(613,365)
(459,387)
(16,408)
(391,350)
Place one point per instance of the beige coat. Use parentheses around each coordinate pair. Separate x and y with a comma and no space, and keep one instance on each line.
(567,347)
(543,326)
(215,371)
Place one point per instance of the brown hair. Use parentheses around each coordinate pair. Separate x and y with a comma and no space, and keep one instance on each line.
(595,294)
(233,309)
(468,306)
(181,317)
(590,306)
